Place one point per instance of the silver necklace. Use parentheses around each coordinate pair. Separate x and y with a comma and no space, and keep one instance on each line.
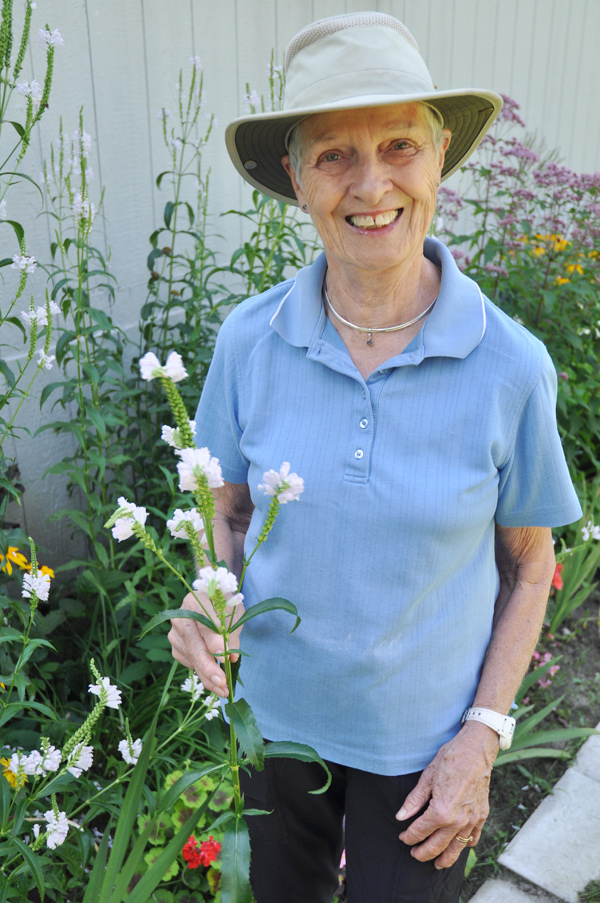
(371,329)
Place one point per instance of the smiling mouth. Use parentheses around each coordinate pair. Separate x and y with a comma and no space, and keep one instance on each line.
(374,222)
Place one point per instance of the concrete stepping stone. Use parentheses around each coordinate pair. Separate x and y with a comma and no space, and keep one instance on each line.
(558,848)
(495,891)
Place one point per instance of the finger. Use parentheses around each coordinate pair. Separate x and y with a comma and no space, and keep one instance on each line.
(210,674)
(436,844)
(416,800)
(453,850)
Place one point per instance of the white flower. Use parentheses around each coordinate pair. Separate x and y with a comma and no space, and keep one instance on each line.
(252,99)
(2,209)
(81,143)
(196,462)
(590,531)
(210,580)
(123,526)
(130,753)
(195,61)
(177,523)
(176,143)
(38,763)
(58,827)
(163,113)
(285,486)
(113,697)
(193,685)
(83,209)
(151,367)
(40,315)
(213,708)
(31,89)
(45,360)
(21,262)
(80,759)
(49,39)
(171,434)
(40,585)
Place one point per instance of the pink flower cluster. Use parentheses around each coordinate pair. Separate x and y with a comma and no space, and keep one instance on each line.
(540,661)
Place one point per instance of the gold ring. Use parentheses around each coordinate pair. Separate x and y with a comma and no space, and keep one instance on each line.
(464,839)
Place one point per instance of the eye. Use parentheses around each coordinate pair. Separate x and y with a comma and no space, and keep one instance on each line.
(331,157)
(401,144)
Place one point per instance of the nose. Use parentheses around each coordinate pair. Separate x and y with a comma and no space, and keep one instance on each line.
(371,178)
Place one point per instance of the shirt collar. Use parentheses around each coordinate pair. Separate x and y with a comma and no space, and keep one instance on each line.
(455,326)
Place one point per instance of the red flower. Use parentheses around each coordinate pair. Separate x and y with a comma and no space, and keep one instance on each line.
(557,582)
(207,853)
(209,850)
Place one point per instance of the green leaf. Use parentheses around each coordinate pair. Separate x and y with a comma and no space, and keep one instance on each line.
(506,757)
(93,891)
(178,613)
(129,811)
(286,749)
(247,732)
(275,604)
(168,800)
(235,863)
(33,862)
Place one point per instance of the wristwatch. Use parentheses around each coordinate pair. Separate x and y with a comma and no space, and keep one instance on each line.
(504,725)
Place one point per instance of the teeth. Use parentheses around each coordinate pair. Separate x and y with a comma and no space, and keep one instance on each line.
(370,222)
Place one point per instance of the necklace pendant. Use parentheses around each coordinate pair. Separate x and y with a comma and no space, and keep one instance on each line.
(369,340)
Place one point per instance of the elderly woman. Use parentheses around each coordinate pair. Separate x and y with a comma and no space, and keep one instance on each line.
(422,421)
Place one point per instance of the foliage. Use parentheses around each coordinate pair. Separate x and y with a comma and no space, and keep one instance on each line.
(34,324)
(529,743)
(577,565)
(590,893)
(534,248)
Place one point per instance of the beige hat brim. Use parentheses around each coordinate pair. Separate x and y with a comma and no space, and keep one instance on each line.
(256,143)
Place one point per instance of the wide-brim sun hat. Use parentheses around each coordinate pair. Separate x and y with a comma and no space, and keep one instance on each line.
(347,62)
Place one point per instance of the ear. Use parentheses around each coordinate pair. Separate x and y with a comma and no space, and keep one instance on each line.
(285,162)
(444,147)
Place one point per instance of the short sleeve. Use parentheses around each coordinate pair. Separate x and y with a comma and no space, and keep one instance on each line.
(535,488)
(217,423)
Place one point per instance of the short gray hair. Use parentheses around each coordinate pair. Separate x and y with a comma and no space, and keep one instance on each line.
(294,140)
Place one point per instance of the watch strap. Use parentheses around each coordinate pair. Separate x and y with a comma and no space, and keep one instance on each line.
(504,725)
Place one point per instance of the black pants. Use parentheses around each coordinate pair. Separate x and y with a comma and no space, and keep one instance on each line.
(296,849)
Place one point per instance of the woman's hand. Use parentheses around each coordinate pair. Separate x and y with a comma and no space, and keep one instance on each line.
(455,788)
(196,646)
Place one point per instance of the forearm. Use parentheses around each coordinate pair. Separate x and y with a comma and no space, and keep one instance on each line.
(520,608)
(233,510)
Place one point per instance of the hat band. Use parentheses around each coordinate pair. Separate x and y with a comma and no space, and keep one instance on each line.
(336,89)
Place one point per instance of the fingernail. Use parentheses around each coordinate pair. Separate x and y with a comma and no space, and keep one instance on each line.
(402,814)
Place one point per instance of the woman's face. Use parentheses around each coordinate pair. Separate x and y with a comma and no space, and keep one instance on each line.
(370,178)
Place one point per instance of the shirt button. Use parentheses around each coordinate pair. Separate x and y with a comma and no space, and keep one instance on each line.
(364,423)
(358,453)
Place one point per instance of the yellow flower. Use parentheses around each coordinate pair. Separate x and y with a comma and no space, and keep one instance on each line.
(13,556)
(15,782)
(538,251)
(561,280)
(560,244)
(574,268)
(46,570)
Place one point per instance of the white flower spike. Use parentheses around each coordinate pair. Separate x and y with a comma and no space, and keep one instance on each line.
(151,367)
(113,697)
(40,585)
(196,462)
(130,752)
(123,526)
(285,486)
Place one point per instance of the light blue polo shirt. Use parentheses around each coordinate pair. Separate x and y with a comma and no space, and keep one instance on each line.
(389,553)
